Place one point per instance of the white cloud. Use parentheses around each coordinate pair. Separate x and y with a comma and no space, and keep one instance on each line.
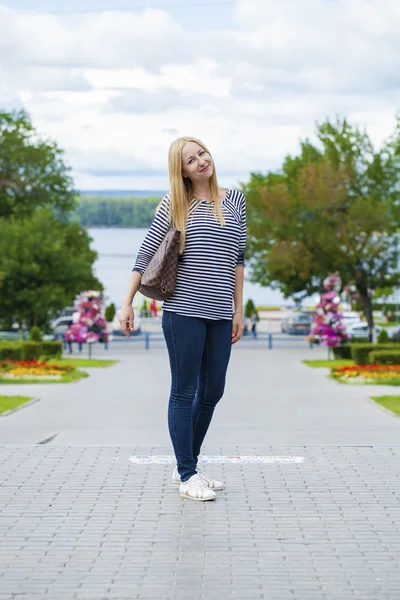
(115,88)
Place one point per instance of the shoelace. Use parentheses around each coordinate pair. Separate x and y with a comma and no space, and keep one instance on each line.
(203,474)
(197,486)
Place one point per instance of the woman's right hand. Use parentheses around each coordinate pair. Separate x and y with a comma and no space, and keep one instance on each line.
(126,319)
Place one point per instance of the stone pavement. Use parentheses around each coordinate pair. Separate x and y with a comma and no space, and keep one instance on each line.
(79,520)
(270,398)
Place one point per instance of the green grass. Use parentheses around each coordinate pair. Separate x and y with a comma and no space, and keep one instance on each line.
(85,362)
(340,362)
(10,402)
(392,403)
(68,378)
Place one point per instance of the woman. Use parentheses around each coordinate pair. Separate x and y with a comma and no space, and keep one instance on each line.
(204,316)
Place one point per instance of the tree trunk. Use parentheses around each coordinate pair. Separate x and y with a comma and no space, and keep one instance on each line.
(367,306)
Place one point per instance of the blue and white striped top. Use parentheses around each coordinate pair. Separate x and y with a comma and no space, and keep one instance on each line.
(207,267)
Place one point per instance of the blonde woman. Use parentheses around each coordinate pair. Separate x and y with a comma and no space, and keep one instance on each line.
(204,316)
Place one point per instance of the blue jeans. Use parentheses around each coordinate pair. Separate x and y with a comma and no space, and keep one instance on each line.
(199,351)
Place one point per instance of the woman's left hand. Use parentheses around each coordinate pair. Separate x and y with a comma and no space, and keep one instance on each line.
(237,327)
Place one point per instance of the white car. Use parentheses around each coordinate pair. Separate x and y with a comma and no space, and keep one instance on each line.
(360,330)
(350,317)
(60,326)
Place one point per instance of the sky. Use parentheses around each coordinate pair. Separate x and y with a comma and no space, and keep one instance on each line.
(114,83)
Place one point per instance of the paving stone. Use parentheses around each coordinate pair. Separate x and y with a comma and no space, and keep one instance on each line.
(75,524)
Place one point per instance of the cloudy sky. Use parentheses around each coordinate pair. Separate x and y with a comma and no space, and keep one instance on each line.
(114,82)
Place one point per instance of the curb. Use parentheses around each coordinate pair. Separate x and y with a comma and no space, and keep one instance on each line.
(13,410)
(385,410)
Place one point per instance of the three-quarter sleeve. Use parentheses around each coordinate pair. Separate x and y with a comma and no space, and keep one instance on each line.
(242,238)
(157,232)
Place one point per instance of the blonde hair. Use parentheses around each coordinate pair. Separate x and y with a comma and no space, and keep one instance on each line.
(181,188)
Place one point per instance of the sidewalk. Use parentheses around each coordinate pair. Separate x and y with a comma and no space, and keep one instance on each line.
(80,520)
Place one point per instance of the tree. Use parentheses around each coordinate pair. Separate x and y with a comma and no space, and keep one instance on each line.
(32,171)
(249,308)
(333,208)
(44,263)
(110,312)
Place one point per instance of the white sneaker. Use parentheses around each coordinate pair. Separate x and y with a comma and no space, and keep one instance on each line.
(213,484)
(196,488)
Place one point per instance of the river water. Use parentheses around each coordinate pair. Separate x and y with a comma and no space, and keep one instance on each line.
(117,249)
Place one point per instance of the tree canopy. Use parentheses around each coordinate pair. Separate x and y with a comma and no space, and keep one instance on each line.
(333,208)
(97,211)
(45,259)
(44,263)
(32,170)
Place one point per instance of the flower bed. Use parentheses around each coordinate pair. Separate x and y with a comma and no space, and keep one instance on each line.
(33,368)
(367,373)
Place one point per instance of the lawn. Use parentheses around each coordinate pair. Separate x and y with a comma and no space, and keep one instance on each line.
(328,364)
(392,403)
(10,402)
(67,378)
(85,362)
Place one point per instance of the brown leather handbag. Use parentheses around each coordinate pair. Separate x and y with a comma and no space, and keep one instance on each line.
(159,279)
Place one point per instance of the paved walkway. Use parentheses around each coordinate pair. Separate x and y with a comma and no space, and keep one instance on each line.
(79,520)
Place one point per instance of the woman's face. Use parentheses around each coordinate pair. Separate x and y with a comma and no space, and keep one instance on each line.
(197,164)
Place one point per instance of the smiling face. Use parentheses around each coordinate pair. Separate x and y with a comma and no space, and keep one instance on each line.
(197,164)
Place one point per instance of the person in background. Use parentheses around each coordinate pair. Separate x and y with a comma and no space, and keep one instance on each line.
(204,316)
(253,320)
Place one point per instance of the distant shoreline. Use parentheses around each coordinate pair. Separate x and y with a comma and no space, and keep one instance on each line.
(122,193)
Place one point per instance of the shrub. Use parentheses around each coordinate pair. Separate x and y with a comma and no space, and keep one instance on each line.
(110,312)
(52,349)
(35,334)
(31,350)
(249,308)
(11,350)
(342,351)
(385,357)
(360,352)
(383,337)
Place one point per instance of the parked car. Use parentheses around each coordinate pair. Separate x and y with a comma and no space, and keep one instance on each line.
(296,323)
(350,317)
(394,334)
(59,326)
(360,330)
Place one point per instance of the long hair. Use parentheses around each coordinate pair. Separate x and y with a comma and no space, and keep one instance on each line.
(181,192)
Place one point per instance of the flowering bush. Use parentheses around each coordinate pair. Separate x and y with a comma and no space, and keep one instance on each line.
(366,372)
(91,325)
(34,368)
(327,324)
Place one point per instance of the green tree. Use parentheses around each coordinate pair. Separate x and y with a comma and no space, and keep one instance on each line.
(110,312)
(116,212)
(44,263)
(32,171)
(249,308)
(333,208)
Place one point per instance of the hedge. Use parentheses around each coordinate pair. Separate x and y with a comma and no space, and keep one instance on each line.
(342,351)
(11,350)
(360,352)
(26,350)
(345,350)
(385,357)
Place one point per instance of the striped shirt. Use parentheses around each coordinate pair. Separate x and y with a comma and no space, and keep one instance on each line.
(207,267)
